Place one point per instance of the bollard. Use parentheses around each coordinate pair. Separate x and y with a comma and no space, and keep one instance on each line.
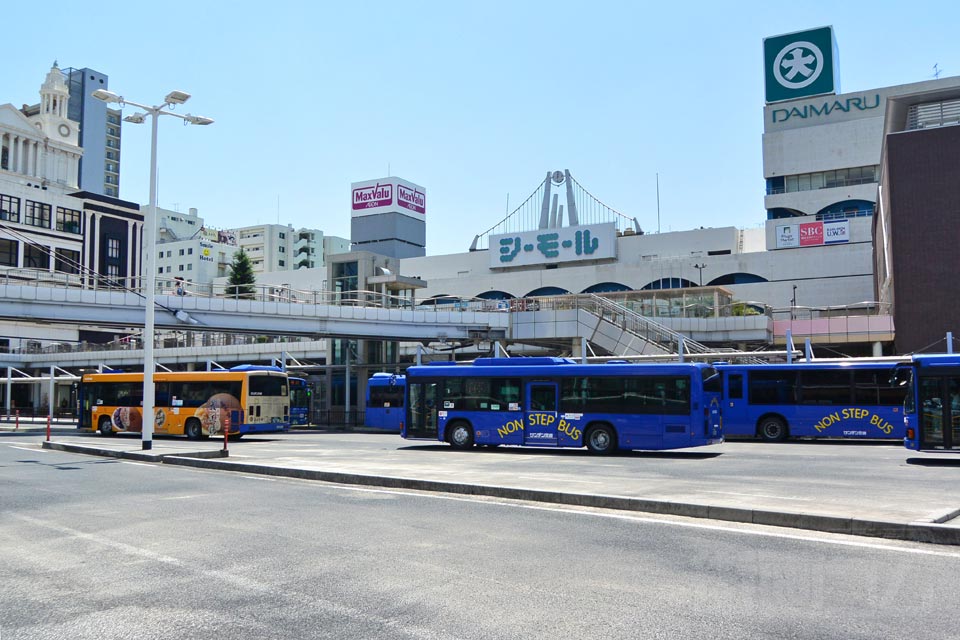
(226,431)
(48,427)
(17,427)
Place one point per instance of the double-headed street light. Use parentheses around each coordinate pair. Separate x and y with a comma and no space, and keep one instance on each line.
(150,237)
(700,267)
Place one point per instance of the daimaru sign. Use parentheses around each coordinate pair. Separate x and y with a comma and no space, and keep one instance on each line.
(800,65)
(388,195)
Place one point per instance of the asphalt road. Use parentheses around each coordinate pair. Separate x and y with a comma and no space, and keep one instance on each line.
(100,548)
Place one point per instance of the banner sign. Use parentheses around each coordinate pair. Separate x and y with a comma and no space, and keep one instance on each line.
(554,246)
(812,234)
(388,195)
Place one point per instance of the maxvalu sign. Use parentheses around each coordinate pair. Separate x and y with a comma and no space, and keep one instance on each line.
(551,246)
(800,65)
(388,195)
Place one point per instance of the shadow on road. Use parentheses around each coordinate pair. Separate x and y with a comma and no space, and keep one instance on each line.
(575,453)
(935,462)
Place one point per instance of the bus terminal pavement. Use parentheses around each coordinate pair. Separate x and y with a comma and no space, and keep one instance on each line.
(874,489)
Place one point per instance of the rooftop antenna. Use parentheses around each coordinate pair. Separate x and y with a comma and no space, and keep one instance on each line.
(936,70)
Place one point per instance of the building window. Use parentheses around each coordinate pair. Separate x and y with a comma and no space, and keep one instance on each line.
(113,249)
(283,235)
(169,269)
(35,257)
(190,267)
(190,251)
(9,208)
(68,220)
(822,180)
(111,155)
(282,249)
(113,270)
(180,268)
(159,269)
(8,252)
(37,214)
(282,263)
(169,253)
(66,261)
(181,252)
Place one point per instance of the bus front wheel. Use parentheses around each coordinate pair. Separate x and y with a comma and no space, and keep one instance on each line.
(461,436)
(105,427)
(772,429)
(601,440)
(193,430)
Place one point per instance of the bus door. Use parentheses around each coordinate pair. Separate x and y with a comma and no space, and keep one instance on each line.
(541,415)
(735,406)
(939,409)
(424,412)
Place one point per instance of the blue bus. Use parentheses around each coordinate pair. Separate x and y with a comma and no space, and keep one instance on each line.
(774,402)
(384,402)
(932,406)
(299,401)
(557,402)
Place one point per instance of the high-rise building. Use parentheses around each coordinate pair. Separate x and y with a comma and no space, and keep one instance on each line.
(99,132)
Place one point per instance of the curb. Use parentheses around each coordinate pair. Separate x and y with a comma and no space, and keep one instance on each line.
(932,533)
(913,532)
(133,455)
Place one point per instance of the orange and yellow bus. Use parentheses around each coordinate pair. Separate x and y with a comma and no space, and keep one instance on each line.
(196,404)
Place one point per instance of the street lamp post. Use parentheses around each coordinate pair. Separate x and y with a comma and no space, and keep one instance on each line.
(150,238)
(700,267)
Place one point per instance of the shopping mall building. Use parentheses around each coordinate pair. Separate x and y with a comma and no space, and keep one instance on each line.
(833,163)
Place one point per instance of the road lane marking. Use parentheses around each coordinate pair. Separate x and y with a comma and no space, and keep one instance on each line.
(688,525)
(254,585)
(628,517)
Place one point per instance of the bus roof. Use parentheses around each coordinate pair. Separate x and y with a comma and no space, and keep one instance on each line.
(937,360)
(538,366)
(834,365)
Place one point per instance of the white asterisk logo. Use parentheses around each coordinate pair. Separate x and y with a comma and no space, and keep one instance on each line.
(802,61)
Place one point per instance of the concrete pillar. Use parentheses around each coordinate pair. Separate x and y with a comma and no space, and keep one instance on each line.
(877,349)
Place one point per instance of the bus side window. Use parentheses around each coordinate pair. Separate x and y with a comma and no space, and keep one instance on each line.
(735,386)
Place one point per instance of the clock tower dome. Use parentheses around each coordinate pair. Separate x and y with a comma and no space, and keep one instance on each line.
(52,119)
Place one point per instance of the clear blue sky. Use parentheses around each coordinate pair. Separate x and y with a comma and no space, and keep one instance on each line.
(473,101)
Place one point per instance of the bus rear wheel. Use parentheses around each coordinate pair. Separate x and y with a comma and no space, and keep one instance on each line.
(601,440)
(105,427)
(772,429)
(193,429)
(461,436)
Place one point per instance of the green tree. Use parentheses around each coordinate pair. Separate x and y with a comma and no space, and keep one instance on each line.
(241,279)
